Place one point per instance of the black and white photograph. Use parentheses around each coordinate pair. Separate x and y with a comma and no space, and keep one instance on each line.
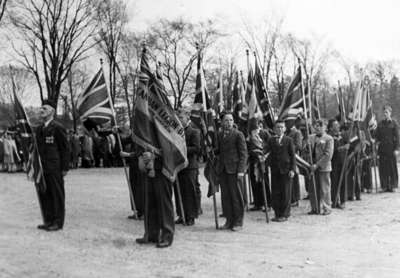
(183,138)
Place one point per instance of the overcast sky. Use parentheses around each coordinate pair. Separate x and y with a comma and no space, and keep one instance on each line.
(362,30)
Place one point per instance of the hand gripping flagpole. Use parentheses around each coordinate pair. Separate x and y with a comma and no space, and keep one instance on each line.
(121,149)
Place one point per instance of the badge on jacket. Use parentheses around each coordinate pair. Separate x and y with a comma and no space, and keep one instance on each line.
(49,139)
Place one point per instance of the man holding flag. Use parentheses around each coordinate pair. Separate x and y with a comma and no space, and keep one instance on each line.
(160,135)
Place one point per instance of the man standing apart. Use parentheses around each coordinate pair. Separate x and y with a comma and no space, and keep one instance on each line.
(232,166)
(53,149)
(322,149)
(387,137)
(283,164)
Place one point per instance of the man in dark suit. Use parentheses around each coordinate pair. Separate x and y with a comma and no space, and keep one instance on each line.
(232,153)
(187,178)
(387,137)
(53,149)
(283,164)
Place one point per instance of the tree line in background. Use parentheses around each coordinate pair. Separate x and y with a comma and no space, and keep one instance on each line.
(53,43)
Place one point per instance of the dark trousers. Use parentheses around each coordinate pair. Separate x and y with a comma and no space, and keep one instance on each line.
(187,185)
(335,176)
(198,190)
(232,199)
(388,174)
(256,186)
(137,187)
(366,174)
(52,200)
(295,189)
(159,220)
(281,193)
(353,182)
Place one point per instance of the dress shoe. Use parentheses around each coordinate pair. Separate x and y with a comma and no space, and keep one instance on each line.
(255,208)
(237,228)
(222,215)
(282,219)
(164,243)
(226,226)
(312,212)
(190,222)
(43,226)
(179,221)
(294,204)
(53,228)
(306,198)
(341,206)
(143,240)
(275,219)
(326,212)
(138,216)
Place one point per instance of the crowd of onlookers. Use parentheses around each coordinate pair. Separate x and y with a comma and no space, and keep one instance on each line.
(87,149)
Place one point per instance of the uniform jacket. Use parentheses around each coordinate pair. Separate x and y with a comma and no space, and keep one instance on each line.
(322,148)
(282,157)
(232,152)
(192,137)
(53,147)
(387,135)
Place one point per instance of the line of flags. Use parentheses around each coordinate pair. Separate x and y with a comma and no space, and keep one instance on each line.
(157,129)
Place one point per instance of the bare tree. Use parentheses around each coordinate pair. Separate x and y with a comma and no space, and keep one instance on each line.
(56,34)
(174,42)
(262,39)
(111,17)
(313,55)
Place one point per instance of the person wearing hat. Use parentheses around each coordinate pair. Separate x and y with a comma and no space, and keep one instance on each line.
(188,177)
(53,147)
(387,137)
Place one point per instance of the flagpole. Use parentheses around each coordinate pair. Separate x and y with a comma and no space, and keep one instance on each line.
(308,142)
(203,96)
(35,147)
(121,149)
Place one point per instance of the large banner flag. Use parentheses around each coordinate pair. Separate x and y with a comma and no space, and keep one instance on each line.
(156,127)
(93,104)
(292,105)
(34,166)
(262,97)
